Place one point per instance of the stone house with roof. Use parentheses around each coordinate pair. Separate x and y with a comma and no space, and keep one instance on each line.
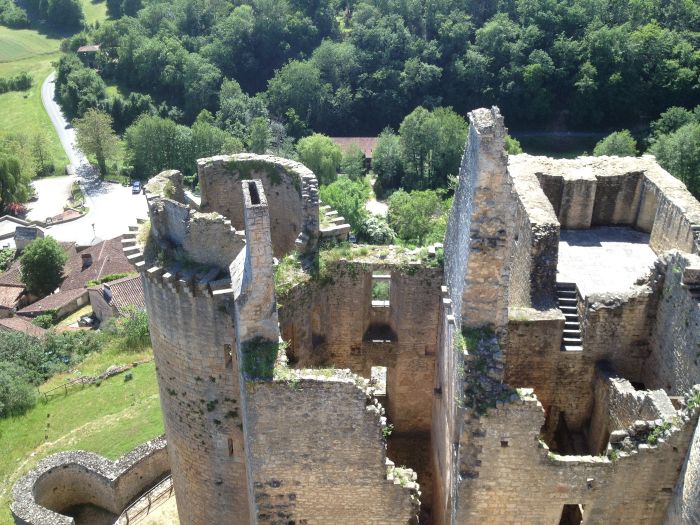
(114,299)
(21,324)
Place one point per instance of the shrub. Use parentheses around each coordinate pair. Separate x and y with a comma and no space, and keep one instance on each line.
(131,329)
(16,394)
(7,255)
(45,320)
(620,143)
(321,155)
(348,198)
(376,230)
(108,278)
(16,209)
(414,216)
(21,82)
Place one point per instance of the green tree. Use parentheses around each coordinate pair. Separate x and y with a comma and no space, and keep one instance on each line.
(14,181)
(237,110)
(321,155)
(679,153)
(65,14)
(353,162)
(258,135)
(43,163)
(95,136)
(513,146)
(387,162)
(418,133)
(413,215)
(154,144)
(449,147)
(620,143)
(348,198)
(41,265)
(298,86)
(432,145)
(671,120)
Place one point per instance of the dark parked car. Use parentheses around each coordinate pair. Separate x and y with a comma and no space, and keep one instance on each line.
(136,187)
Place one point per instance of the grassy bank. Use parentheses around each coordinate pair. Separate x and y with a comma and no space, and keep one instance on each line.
(25,50)
(109,419)
(30,51)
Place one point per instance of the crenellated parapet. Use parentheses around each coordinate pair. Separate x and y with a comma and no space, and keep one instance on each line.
(183,236)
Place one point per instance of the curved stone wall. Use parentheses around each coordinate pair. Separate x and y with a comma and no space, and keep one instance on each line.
(290,187)
(68,479)
(193,343)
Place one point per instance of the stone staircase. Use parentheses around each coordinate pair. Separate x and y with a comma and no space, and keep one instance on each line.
(568,304)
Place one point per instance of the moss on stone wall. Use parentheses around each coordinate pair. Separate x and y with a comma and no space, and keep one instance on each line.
(259,358)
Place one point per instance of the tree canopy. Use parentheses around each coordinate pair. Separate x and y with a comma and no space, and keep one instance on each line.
(96,137)
(41,264)
(355,68)
(321,155)
(620,143)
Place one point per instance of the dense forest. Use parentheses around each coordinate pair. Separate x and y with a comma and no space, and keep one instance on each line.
(353,68)
(177,80)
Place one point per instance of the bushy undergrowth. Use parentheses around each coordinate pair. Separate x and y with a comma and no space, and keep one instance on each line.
(26,362)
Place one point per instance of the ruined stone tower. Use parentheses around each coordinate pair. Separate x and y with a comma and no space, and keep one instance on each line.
(539,368)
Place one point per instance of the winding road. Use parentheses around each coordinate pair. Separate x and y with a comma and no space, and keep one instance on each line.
(113,208)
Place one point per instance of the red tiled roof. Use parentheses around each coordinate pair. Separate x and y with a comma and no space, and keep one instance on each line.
(126,292)
(10,295)
(107,259)
(21,324)
(89,49)
(53,301)
(366,144)
(13,275)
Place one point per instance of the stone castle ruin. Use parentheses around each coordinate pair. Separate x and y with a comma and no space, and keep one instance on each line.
(541,369)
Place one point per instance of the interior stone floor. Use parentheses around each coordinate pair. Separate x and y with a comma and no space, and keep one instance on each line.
(604,260)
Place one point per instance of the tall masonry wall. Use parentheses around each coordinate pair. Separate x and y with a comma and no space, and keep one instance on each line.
(633,191)
(193,341)
(479,233)
(478,245)
(519,481)
(193,338)
(314,443)
(290,187)
(535,246)
(335,323)
(318,455)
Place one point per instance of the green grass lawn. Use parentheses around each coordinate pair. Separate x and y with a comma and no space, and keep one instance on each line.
(28,50)
(110,420)
(94,11)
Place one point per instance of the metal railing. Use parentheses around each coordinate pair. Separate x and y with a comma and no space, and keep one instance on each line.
(148,501)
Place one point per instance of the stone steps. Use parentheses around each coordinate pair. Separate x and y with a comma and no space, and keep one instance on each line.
(568,304)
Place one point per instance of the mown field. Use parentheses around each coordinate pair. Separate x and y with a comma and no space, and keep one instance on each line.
(28,50)
(109,419)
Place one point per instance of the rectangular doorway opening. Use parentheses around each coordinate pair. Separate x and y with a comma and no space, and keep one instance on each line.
(571,515)
(378,382)
(381,290)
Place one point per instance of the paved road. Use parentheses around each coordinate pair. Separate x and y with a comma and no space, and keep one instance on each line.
(53,192)
(113,208)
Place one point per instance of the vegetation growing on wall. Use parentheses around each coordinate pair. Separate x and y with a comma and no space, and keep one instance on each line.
(259,358)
